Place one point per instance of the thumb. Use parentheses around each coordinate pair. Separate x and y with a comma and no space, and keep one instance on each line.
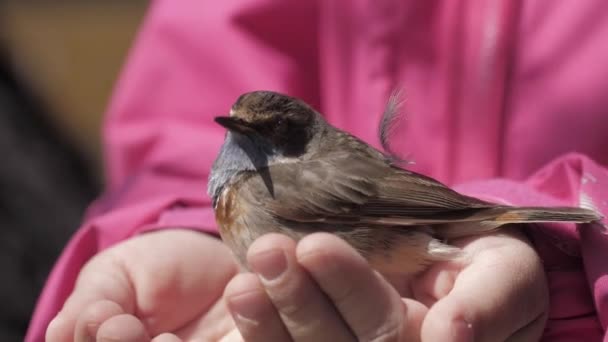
(500,295)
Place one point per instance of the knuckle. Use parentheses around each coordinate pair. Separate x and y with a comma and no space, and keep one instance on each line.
(293,304)
(390,332)
(386,328)
(292,300)
(343,294)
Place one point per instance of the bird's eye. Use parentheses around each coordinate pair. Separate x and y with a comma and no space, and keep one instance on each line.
(280,123)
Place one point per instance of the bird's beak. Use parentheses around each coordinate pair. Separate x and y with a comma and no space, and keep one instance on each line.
(234,124)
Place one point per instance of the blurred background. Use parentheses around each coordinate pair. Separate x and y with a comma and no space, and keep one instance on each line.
(58,63)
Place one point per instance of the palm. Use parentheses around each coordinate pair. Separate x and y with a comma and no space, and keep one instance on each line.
(216,324)
(169,281)
(183,294)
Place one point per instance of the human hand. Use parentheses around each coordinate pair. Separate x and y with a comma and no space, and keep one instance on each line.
(327,292)
(171,298)
(497,293)
(317,290)
(165,286)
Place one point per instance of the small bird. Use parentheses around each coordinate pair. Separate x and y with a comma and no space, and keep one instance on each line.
(283,168)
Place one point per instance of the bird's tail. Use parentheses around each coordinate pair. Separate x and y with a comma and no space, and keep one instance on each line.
(496,217)
(546,214)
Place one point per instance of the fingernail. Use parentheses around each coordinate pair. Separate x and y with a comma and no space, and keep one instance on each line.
(246,307)
(463,331)
(270,265)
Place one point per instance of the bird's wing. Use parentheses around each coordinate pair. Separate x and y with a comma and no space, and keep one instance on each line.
(358,189)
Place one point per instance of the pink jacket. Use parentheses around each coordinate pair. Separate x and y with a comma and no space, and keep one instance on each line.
(506,99)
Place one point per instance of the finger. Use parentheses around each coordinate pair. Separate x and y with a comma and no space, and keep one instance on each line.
(166,337)
(252,311)
(100,279)
(530,332)
(233,336)
(502,290)
(436,282)
(211,326)
(123,327)
(93,316)
(367,302)
(305,311)
(415,312)
(59,329)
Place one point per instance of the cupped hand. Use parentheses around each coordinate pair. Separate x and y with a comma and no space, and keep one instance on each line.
(497,292)
(166,286)
(317,290)
(321,290)
(160,286)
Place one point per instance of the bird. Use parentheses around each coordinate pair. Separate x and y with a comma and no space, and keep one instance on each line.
(282,168)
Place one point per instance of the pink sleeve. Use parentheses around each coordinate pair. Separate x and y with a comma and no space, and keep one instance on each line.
(190,62)
(574,256)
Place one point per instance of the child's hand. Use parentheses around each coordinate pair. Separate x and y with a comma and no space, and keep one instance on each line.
(319,290)
(326,292)
(167,281)
(500,289)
